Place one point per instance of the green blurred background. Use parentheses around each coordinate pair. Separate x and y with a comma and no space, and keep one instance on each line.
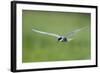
(41,48)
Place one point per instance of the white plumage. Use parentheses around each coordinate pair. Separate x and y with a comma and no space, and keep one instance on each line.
(46,33)
(66,38)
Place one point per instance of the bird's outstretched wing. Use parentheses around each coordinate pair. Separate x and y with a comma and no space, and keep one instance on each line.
(71,34)
(46,33)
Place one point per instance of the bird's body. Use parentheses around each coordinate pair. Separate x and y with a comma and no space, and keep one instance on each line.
(62,39)
(66,38)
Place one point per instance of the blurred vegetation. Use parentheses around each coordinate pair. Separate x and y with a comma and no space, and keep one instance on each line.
(38,48)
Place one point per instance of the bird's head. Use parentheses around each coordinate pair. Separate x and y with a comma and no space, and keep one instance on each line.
(62,39)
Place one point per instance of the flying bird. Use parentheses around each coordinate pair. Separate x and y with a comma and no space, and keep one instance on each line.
(61,38)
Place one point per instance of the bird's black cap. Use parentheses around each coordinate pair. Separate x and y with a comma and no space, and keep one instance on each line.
(63,39)
(59,38)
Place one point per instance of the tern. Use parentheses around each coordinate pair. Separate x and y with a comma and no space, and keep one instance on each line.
(60,38)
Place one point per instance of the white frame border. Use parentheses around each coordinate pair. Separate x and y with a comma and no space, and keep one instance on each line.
(38,65)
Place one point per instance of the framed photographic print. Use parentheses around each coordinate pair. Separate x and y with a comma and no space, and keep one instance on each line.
(47,36)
